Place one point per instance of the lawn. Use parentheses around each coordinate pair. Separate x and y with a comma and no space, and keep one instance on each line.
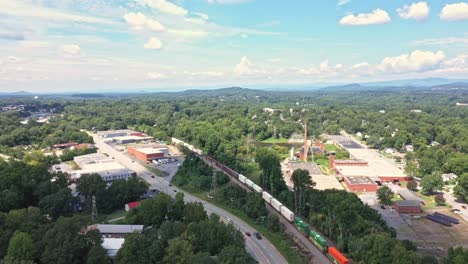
(275,140)
(279,240)
(331,147)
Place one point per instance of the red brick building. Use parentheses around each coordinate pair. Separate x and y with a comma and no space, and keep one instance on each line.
(408,207)
(148,153)
(360,184)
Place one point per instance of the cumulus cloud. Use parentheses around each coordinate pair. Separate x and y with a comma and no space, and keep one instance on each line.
(139,21)
(153,43)
(456,11)
(245,68)
(418,11)
(165,6)
(415,61)
(378,16)
(71,50)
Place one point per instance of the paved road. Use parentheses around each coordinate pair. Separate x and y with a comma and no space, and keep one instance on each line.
(262,250)
(456,204)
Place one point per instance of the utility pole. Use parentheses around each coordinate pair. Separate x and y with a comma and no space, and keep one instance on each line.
(94,213)
(213,185)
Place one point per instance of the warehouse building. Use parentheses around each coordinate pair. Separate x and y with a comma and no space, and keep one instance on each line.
(118,133)
(149,153)
(98,163)
(360,184)
(408,207)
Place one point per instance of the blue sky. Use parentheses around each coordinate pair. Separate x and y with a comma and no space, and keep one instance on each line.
(98,45)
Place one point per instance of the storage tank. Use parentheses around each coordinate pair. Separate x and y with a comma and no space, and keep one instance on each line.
(276,204)
(267,197)
(257,188)
(288,214)
(249,183)
(242,178)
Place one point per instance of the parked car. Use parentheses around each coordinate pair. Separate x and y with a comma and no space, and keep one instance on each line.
(464,207)
(382,206)
(248,234)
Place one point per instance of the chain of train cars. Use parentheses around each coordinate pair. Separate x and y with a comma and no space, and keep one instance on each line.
(331,252)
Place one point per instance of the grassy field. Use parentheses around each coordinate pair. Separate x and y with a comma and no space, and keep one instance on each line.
(275,140)
(279,240)
(331,147)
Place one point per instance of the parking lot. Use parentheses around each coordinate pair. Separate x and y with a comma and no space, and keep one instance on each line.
(430,238)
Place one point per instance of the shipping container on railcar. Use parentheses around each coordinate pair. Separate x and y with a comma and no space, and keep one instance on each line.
(267,197)
(318,240)
(302,226)
(336,256)
(257,188)
(242,178)
(276,204)
(249,183)
(288,214)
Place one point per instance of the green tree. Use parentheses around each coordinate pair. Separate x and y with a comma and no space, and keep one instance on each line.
(461,190)
(97,255)
(58,204)
(385,195)
(412,185)
(302,183)
(234,255)
(271,178)
(21,247)
(179,251)
(432,182)
(439,199)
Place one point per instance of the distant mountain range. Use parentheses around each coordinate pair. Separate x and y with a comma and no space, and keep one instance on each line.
(410,84)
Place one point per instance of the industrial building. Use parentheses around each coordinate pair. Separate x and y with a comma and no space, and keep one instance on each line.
(98,163)
(360,184)
(118,133)
(149,153)
(115,231)
(408,207)
(365,162)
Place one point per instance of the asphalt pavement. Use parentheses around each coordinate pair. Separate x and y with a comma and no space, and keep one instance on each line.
(262,250)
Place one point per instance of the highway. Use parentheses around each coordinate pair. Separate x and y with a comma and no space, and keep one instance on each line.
(262,250)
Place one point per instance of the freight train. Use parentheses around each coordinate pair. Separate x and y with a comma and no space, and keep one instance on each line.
(331,252)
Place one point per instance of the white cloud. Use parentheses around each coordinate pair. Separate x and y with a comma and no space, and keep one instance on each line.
(343,2)
(139,21)
(153,43)
(441,41)
(154,76)
(17,8)
(71,50)
(201,15)
(418,11)
(165,6)
(415,61)
(378,16)
(245,68)
(188,33)
(456,11)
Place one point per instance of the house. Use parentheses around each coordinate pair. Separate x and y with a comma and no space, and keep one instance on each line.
(409,148)
(449,176)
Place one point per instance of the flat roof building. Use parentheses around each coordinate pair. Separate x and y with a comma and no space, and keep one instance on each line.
(116,133)
(360,184)
(148,153)
(408,207)
(98,163)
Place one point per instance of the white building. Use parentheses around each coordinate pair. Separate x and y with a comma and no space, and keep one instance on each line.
(449,176)
(98,163)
